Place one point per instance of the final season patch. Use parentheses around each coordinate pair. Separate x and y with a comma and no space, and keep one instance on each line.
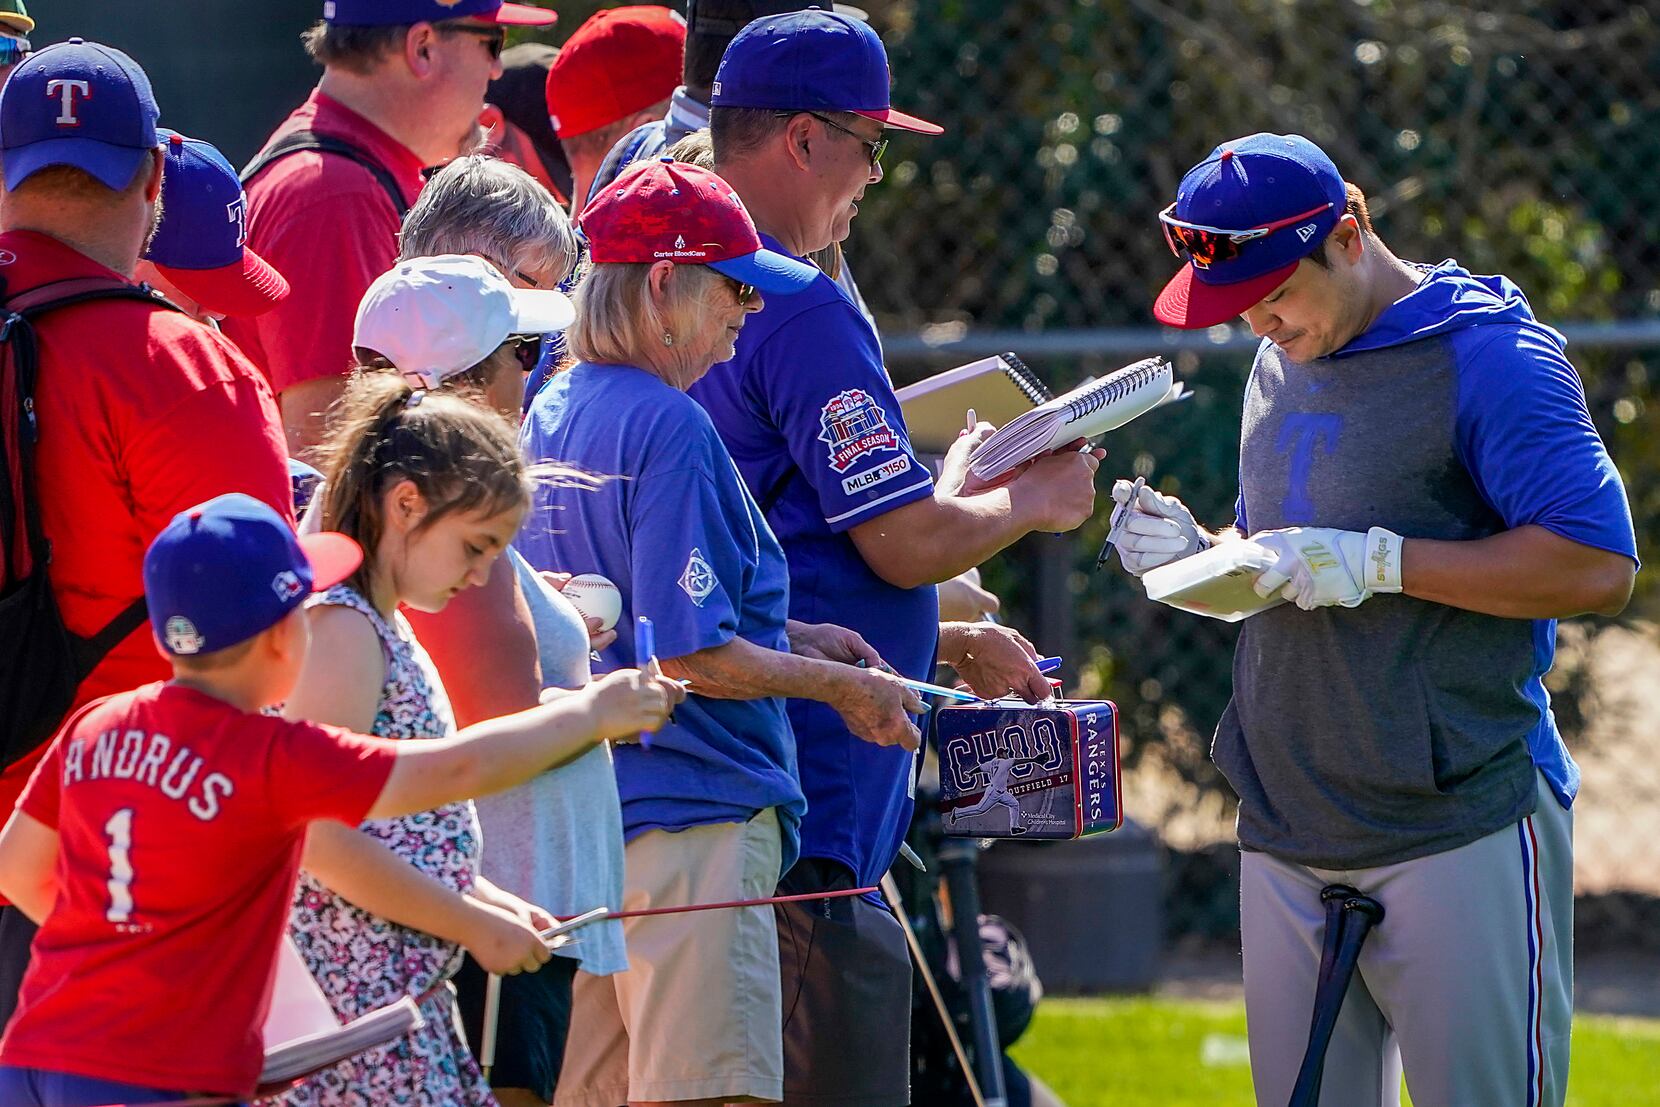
(853,425)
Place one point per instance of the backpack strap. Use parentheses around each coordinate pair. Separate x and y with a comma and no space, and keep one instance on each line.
(297,141)
(21,311)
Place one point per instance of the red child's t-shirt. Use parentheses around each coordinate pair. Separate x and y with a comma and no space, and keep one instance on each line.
(180,823)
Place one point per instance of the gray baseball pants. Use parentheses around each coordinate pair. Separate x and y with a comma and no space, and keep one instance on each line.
(1467,983)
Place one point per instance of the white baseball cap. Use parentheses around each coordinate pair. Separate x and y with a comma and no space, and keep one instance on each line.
(435,317)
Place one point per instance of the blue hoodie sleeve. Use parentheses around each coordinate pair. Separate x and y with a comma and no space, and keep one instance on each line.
(1526,437)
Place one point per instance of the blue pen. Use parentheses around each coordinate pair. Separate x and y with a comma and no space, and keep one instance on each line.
(1048,664)
(645,646)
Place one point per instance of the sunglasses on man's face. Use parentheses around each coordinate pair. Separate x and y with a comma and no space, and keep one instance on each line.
(13,50)
(495,38)
(874,147)
(1205,246)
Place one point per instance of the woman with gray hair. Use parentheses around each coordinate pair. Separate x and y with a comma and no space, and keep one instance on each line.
(482,205)
(711,812)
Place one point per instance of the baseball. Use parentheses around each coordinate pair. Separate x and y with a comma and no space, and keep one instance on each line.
(596,597)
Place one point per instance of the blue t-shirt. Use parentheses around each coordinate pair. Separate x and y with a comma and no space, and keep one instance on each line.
(683,541)
(809,415)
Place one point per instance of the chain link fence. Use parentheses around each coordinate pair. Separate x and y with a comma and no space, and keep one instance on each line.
(1523,141)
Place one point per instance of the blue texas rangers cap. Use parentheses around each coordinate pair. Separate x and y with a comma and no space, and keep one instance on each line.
(1243,218)
(811,60)
(225,570)
(81,104)
(392,13)
(199,244)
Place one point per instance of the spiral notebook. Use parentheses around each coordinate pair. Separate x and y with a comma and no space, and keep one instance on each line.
(998,389)
(1093,408)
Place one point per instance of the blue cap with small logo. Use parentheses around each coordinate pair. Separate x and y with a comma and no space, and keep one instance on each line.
(199,244)
(394,13)
(227,569)
(1243,218)
(811,60)
(80,104)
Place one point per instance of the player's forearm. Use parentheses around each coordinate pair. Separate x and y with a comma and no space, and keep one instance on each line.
(364,872)
(1526,573)
(491,756)
(741,670)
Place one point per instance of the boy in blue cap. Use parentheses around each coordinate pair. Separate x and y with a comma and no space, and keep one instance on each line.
(141,411)
(1416,452)
(160,840)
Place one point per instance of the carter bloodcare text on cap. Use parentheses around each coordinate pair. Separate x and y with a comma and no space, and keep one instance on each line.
(669,211)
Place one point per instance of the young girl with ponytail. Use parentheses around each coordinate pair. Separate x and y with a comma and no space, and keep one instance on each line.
(434,488)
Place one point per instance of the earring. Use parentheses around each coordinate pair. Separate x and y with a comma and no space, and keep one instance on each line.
(668,339)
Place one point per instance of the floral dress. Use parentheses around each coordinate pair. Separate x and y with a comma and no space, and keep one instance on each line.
(362,961)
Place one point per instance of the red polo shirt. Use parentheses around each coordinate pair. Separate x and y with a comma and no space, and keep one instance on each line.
(143,413)
(328,226)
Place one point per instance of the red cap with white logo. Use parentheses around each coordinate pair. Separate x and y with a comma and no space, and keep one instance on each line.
(671,211)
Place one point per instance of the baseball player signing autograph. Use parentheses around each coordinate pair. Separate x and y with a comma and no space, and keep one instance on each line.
(1416,450)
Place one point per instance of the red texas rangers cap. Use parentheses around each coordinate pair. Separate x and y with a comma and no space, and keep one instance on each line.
(670,211)
(391,13)
(620,61)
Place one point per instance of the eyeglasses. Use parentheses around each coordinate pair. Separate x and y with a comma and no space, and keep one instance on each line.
(495,38)
(875,148)
(13,50)
(744,292)
(1205,246)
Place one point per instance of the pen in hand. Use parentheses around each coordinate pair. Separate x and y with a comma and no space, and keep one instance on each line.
(645,647)
(1118,517)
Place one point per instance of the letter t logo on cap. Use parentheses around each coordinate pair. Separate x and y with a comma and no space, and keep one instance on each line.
(65,91)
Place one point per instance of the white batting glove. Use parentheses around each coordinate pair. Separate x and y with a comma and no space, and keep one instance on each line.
(1150,529)
(1319,566)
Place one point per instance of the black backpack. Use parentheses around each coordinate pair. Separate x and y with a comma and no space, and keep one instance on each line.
(41,662)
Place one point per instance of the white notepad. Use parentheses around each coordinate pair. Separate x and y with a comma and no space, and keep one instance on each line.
(1218,583)
(998,389)
(302,1036)
(1091,409)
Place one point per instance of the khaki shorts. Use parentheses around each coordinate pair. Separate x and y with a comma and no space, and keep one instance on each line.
(697,1014)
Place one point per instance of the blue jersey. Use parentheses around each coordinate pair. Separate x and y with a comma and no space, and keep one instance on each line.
(809,415)
(683,541)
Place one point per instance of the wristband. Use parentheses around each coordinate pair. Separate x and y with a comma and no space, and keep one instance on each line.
(1382,571)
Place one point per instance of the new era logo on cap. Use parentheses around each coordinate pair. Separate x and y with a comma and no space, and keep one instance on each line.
(1306,233)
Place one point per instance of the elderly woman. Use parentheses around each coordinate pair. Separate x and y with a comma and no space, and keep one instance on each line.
(711,810)
(485,206)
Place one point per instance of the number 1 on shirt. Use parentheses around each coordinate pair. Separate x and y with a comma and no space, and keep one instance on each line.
(120,831)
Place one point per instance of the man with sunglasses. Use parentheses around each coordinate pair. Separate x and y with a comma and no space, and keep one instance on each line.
(403,86)
(1417,455)
(799,120)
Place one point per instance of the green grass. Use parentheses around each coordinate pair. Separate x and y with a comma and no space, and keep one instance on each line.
(1160,1053)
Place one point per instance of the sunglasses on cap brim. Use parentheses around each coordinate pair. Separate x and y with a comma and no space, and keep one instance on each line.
(1205,246)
